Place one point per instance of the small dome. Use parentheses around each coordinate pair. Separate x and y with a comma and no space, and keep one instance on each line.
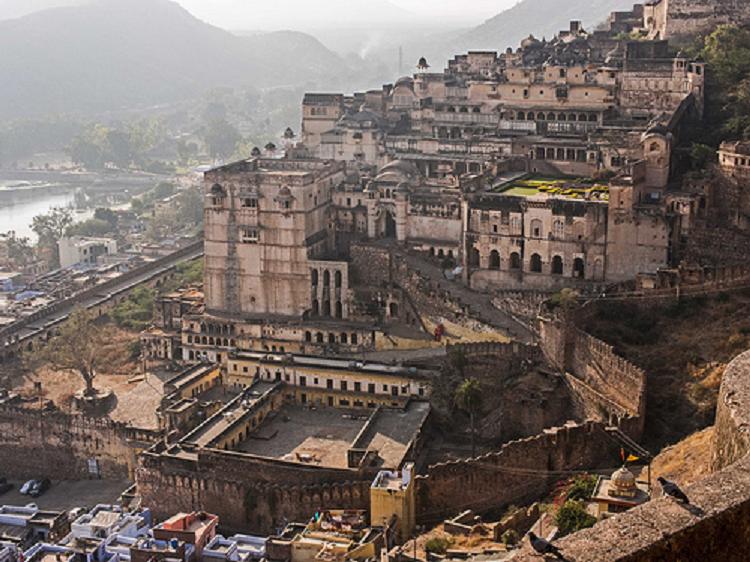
(529,41)
(623,482)
(422,64)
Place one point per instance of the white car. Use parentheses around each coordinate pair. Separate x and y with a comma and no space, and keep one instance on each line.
(26,488)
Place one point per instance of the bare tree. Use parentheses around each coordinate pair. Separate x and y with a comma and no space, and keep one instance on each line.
(80,347)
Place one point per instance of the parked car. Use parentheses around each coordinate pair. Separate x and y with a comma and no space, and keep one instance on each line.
(39,487)
(26,488)
(74,514)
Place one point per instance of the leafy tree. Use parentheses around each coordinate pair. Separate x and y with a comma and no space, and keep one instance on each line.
(137,311)
(221,138)
(79,348)
(701,155)
(90,227)
(49,228)
(469,399)
(437,545)
(573,517)
(727,53)
(107,215)
(582,488)
(163,190)
(20,251)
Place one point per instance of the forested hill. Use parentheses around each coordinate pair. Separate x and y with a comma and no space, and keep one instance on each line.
(542,18)
(114,54)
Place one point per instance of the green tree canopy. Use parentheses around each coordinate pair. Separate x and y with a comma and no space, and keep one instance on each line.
(469,399)
(50,227)
(572,516)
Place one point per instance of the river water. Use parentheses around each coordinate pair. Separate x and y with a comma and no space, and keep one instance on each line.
(17,215)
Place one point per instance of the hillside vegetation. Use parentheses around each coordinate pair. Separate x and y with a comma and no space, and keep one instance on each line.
(684,348)
(115,54)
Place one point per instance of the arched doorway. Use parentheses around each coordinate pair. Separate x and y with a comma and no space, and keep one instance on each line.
(390,225)
(557,265)
(579,268)
(536,263)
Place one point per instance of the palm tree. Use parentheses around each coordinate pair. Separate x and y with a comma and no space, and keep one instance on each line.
(469,399)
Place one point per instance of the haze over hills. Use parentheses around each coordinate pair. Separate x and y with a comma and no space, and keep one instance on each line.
(543,18)
(111,54)
(16,8)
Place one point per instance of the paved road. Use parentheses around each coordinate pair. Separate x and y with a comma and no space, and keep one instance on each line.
(479,304)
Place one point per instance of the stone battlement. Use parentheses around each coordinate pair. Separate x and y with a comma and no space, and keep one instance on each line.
(714,527)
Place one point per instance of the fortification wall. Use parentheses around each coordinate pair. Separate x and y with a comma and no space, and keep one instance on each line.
(604,386)
(713,527)
(689,17)
(517,473)
(35,444)
(249,495)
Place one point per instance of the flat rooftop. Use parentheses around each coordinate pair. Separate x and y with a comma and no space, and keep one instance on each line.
(322,436)
(543,188)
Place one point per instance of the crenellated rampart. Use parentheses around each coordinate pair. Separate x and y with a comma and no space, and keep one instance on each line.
(713,527)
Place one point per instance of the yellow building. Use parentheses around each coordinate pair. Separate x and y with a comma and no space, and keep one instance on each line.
(331,382)
(392,495)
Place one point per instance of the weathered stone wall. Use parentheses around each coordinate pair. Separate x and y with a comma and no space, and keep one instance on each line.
(249,494)
(519,472)
(686,18)
(605,386)
(732,426)
(59,446)
(713,527)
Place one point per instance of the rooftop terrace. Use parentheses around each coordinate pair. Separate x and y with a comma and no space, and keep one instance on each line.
(545,188)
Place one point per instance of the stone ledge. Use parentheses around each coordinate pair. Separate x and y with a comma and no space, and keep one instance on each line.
(714,528)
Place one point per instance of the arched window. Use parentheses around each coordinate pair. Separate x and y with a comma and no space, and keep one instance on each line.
(583,117)
(319,337)
(515,260)
(557,265)
(654,146)
(315,307)
(494,259)
(536,263)
(339,310)
(337,279)
(314,277)
(558,229)
(561,117)
(331,338)
(474,257)
(573,117)
(550,117)
(326,278)
(326,308)
(579,268)
(521,116)
(536,228)
(541,117)
(344,338)
(394,310)
(308,336)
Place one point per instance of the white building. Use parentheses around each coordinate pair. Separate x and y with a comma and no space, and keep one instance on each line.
(79,250)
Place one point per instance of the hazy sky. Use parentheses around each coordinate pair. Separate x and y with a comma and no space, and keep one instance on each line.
(309,14)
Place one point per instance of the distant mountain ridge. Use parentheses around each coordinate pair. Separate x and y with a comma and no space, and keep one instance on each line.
(112,54)
(542,18)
